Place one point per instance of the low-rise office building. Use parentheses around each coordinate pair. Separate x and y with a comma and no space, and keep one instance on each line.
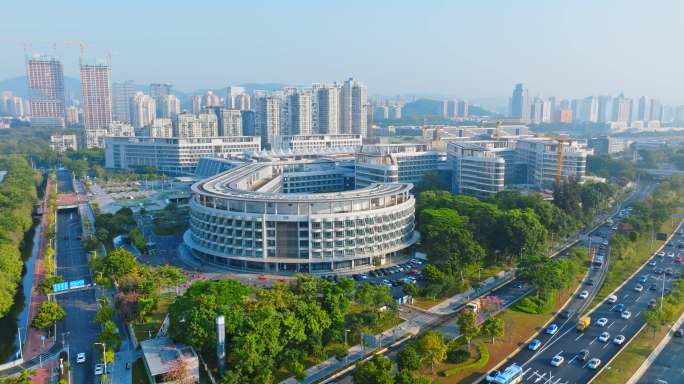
(176,156)
(298,216)
(478,167)
(395,163)
(316,142)
(540,157)
(63,143)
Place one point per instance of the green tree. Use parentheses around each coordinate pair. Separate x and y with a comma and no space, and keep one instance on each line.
(467,324)
(23,378)
(493,327)
(432,348)
(407,377)
(377,370)
(48,314)
(408,359)
(117,263)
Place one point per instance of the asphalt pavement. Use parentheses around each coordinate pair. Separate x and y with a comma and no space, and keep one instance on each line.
(79,327)
(568,342)
(668,367)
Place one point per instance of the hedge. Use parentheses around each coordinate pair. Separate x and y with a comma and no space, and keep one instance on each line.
(479,363)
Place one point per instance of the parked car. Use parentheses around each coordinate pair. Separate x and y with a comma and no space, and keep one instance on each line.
(557,360)
(594,363)
(583,355)
(552,329)
(99,369)
(612,299)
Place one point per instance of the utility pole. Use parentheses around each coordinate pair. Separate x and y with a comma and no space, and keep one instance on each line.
(104,355)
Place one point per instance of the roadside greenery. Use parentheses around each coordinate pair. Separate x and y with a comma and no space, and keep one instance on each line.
(280,329)
(18,193)
(48,314)
(609,167)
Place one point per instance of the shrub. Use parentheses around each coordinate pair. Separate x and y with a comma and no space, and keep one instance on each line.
(479,363)
(459,355)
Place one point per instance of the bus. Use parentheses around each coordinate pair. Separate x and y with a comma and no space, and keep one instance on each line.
(513,374)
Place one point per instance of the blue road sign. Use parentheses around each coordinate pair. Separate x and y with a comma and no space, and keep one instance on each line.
(76,284)
(59,287)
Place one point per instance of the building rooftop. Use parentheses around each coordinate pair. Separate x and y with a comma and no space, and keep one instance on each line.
(161,352)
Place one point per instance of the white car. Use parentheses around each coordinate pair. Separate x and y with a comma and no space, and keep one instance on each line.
(612,299)
(584,294)
(602,322)
(605,242)
(619,339)
(557,360)
(605,336)
(626,315)
(99,369)
(661,253)
(670,254)
(594,363)
(638,287)
(80,358)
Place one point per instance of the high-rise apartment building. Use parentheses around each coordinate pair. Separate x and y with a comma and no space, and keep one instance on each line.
(171,107)
(605,109)
(143,110)
(656,110)
(249,123)
(588,109)
(536,110)
(191,126)
(644,109)
(45,83)
(158,91)
(119,129)
(520,104)
(462,109)
(622,108)
(97,95)
(237,98)
(211,100)
(122,93)
(229,121)
(327,110)
(299,113)
(449,108)
(161,127)
(72,116)
(196,105)
(268,118)
(353,104)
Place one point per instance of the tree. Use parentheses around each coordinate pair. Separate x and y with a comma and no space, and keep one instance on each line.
(493,327)
(118,263)
(24,378)
(48,314)
(408,358)
(138,240)
(431,347)
(377,370)
(467,325)
(405,376)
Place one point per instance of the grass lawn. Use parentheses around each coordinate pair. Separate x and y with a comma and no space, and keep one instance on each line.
(620,270)
(154,321)
(139,374)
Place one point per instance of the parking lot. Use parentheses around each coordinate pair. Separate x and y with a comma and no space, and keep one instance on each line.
(393,277)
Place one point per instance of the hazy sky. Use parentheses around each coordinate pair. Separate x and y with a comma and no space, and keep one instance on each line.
(475,48)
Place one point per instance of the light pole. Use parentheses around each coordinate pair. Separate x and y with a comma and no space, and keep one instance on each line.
(346,355)
(104,355)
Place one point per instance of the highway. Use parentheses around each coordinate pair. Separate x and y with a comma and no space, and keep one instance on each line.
(80,328)
(667,368)
(568,342)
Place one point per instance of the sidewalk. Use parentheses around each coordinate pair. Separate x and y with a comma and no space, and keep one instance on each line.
(33,344)
(453,304)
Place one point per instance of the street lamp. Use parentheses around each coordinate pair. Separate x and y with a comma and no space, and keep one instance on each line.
(104,355)
(346,355)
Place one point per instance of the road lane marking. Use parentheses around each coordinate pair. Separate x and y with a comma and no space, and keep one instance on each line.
(525,371)
(623,328)
(626,296)
(592,342)
(578,337)
(573,359)
(604,347)
(612,308)
(611,323)
(638,313)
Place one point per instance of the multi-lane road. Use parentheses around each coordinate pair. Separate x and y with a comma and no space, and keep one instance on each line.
(569,342)
(80,328)
(667,368)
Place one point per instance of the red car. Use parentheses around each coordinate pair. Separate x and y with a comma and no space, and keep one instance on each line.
(678,259)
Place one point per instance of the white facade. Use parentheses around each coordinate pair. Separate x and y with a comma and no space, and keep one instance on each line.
(353,102)
(314,142)
(117,128)
(540,156)
(478,167)
(170,107)
(143,110)
(299,113)
(162,127)
(94,138)
(63,143)
(248,219)
(173,155)
(97,95)
(394,163)
(327,110)
(268,118)
(202,125)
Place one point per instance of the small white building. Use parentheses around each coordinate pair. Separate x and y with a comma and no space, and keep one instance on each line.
(63,143)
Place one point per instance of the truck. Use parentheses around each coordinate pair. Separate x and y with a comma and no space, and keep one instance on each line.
(583,323)
(473,306)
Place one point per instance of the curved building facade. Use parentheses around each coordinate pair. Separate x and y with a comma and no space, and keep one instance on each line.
(298,216)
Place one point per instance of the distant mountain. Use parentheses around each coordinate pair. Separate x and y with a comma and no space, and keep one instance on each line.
(428,107)
(17,85)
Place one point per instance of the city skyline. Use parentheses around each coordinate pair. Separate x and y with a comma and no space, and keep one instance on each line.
(426,49)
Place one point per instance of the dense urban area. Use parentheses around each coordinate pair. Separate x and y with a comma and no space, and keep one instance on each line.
(326,233)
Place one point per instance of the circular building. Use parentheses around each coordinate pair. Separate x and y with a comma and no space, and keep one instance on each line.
(298,216)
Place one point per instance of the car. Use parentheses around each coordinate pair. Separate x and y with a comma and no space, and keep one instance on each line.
(652,263)
(661,254)
(679,259)
(670,254)
(557,360)
(619,339)
(605,242)
(653,287)
(552,329)
(667,291)
(669,271)
(589,282)
(491,376)
(583,355)
(626,314)
(638,287)
(605,336)
(99,369)
(619,308)
(658,271)
(643,279)
(679,332)
(364,277)
(612,299)
(565,314)
(534,345)
(614,227)
(584,294)
(602,322)
(80,358)
(652,303)
(594,363)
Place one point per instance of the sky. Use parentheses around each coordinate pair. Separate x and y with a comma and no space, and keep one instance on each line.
(468,49)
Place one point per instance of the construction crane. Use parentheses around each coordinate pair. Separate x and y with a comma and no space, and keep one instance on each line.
(559,157)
